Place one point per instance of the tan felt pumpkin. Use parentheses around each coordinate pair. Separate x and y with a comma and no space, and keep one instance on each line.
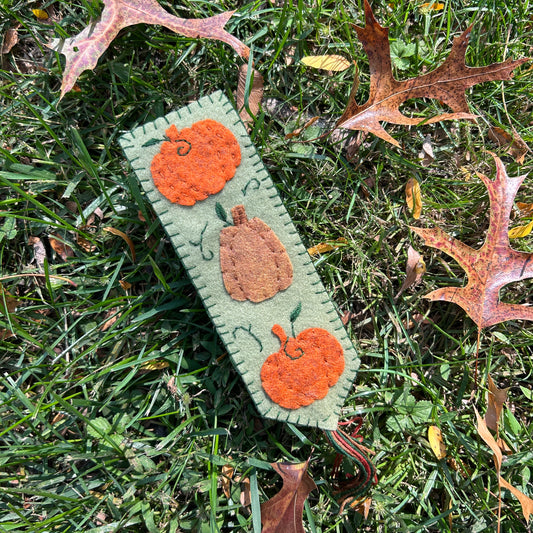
(255,265)
(195,162)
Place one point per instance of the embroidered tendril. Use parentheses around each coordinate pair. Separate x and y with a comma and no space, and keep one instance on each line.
(183,150)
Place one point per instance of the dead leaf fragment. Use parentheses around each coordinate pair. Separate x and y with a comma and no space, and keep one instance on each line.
(110,318)
(525,501)
(39,252)
(491,267)
(8,303)
(255,96)
(225,480)
(83,51)
(519,232)
(324,247)
(245,498)
(283,512)
(413,197)
(446,83)
(484,433)
(41,14)
(436,442)
(426,7)
(525,209)
(334,63)
(60,248)
(426,156)
(298,131)
(11,38)
(416,268)
(126,285)
(512,143)
(121,234)
(495,399)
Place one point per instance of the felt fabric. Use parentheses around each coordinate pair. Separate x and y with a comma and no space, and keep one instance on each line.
(254,263)
(304,368)
(245,326)
(195,162)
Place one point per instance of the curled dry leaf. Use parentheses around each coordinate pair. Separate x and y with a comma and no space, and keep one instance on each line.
(426,156)
(39,252)
(253,99)
(11,38)
(416,268)
(525,501)
(283,512)
(495,399)
(334,63)
(491,267)
(83,51)
(519,232)
(413,197)
(324,247)
(484,433)
(525,209)
(446,83)
(513,144)
(62,249)
(128,241)
(436,442)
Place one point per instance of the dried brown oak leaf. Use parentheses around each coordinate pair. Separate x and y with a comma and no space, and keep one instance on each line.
(491,267)
(283,512)
(83,51)
(446,83)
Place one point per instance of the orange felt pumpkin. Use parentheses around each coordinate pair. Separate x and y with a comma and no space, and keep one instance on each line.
(195,162)
(304,369)
(255,265)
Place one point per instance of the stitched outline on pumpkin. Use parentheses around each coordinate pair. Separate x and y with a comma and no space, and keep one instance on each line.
(200,244)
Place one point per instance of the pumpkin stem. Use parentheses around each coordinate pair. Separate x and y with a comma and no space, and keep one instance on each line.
(281,335)
(239,217)
(279,332)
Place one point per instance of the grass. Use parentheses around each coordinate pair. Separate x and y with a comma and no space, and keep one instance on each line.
(118,406)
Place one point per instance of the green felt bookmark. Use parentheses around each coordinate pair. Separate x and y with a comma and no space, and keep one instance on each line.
(228,225)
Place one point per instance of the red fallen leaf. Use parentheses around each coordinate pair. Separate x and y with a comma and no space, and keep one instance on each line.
(446,83)
(83,50)
(283,512)
(491,267)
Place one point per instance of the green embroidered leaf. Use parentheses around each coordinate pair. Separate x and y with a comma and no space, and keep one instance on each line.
(151,142)
(295,313)
(221,213)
